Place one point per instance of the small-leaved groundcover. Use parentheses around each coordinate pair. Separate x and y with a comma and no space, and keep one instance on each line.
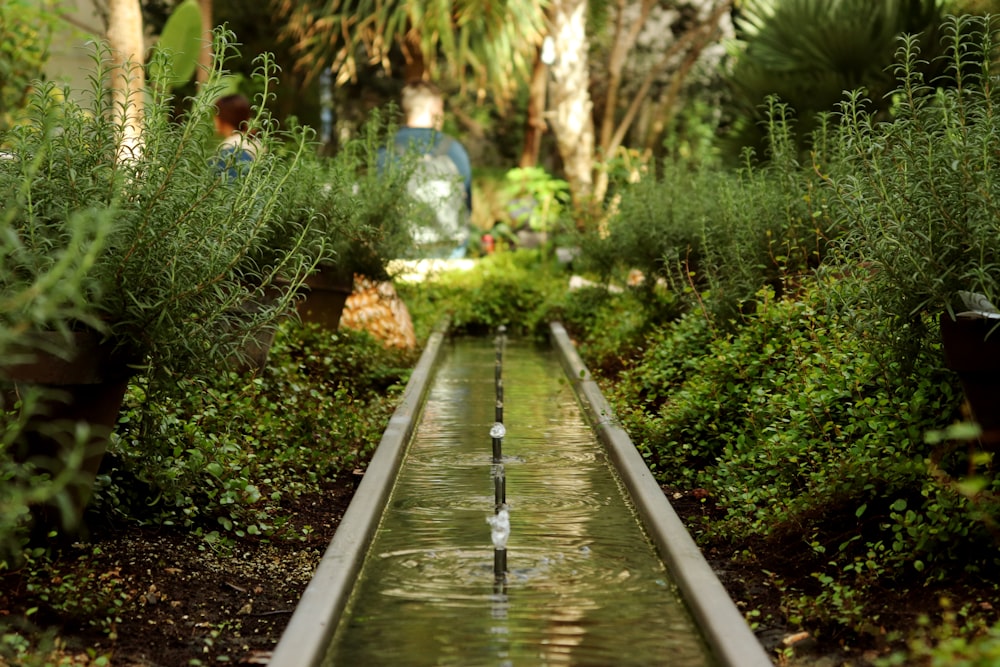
(217,459)
(215,455)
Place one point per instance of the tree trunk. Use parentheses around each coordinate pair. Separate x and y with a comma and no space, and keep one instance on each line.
(572,118)
(535,124)
(127,76)
(624,42)
(691,43)
(205,53)
(415,67)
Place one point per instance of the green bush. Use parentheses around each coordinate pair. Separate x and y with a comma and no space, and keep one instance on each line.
(183,248)
(514,289)
(25,34)
(218,455)
(793,428)
(918,196)
(357,215)
(609,326)
(709,231)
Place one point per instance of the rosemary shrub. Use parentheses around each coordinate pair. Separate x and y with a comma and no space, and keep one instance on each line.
(357,216)
(703,230)
(918,197)
(187,248)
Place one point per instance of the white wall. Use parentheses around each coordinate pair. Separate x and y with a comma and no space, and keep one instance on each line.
(70,58)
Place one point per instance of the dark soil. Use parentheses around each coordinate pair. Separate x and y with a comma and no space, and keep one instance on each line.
(184,604)
(763,575)
(182,601)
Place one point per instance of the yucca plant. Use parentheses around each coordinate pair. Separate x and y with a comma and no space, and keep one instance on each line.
(808,52)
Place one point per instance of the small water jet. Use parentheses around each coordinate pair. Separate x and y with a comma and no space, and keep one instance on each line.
(588,587)
(500,521)
(499,533)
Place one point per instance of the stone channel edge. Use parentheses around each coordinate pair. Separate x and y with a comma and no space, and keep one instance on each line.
(726,632)
(306,639)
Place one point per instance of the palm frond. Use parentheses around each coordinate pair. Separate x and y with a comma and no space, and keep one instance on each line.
(489,42)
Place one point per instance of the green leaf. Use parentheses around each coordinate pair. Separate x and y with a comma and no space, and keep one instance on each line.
(960,431)
(971,486)
(176,52)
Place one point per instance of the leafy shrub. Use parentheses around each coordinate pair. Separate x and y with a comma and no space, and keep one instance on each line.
(222,453)
(706,230)
(25,33)
(608,326)
(797,433)
(513,289)
(918,195)
(356,214)
(789,423)
(187,247)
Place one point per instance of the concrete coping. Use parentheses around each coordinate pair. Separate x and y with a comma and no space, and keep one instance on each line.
(726,633)
(310,630)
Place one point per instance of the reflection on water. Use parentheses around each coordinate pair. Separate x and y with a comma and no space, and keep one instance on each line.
(584,586)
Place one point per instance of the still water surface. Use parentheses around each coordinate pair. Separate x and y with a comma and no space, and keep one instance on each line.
(583,586)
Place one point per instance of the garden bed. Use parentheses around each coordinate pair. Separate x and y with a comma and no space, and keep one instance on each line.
(182,604)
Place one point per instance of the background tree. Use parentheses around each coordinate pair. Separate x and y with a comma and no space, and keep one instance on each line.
(572,109)
(490,44)
(494,48)
(125,38)
(207,26)
(25,33)
(652,50)
(809,52)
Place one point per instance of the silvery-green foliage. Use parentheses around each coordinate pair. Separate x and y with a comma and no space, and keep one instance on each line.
(358,214)
(166,250)
(919,196)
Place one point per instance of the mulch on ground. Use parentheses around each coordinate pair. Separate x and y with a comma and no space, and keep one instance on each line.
(187,604)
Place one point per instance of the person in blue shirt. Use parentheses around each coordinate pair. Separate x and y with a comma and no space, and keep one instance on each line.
(238,148)
(421,134)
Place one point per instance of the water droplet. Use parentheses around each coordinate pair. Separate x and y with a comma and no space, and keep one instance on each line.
(500,525)
(497,430)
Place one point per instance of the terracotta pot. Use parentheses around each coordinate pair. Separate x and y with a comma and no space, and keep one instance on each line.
(253,356)
(972,350)
(325,294)
(87,385)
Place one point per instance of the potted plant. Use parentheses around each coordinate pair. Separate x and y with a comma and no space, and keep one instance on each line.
(358,220)
(971,342)
(176,250)
(919,200)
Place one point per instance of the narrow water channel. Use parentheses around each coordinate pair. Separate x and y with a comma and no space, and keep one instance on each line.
(583,584)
